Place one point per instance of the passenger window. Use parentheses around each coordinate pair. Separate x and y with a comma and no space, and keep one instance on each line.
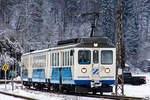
(106,57)
(84,57)
(63,59)
(95,56)
(66,59)
(52,59)
(57,59)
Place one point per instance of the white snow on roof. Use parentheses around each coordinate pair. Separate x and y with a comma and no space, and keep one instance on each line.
(37,51)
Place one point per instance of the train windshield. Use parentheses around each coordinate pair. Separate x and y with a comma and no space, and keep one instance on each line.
(84,57)
(106,57)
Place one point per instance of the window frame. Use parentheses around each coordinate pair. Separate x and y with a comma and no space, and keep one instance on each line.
(112,58)
(89,57)
(97,57)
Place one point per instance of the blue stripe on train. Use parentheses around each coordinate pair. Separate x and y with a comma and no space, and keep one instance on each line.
(109,82)
(65,73)
(38,75)
(66,77)
(29,79)
(55,75)
(25,75)
(82,82)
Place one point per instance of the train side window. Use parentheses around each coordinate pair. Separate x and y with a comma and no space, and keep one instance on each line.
(95,56)
(68,57)
(52,59)
(71,57)
(71,52)
(84,57)
(57,59)
(106,57)
(63,59)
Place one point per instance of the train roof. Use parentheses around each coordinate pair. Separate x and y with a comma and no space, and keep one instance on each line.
(37,51)
(103,42)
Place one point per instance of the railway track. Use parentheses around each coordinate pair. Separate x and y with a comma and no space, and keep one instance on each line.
(17,96)
(114,97)
(93,96)
(8,81)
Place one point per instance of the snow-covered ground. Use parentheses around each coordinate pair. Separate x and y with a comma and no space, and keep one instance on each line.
(40,95)
(139,90)
(5,97)
(130,90)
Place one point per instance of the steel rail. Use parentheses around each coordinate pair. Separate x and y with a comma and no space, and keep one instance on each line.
(7,81)
(17,96)
(114,97)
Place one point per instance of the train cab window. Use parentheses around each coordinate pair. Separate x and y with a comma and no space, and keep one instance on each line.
(95,56)
(84,57)
(106,57)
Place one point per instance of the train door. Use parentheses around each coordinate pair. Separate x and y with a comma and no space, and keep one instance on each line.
(95,64)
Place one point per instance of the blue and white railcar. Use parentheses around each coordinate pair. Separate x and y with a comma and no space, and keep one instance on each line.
(81,65)
(85,62)
(35,67)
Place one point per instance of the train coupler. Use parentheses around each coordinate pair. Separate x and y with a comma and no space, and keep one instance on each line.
(95,84)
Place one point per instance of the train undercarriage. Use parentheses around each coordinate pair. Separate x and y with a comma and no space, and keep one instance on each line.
(68,88)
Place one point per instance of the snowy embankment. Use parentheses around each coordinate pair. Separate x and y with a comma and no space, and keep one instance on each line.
(5,97)
(130,90)
(40,95)
(139,90)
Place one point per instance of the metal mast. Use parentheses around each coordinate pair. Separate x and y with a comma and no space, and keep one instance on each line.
(119,89)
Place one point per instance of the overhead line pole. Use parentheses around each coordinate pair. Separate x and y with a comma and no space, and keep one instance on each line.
(119,88)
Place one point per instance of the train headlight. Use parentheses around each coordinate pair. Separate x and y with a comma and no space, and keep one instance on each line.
(83,70)
(95,44)
(107,70)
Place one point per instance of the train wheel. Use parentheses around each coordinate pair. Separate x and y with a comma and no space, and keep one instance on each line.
(55,88)
(94,91)
(101,92)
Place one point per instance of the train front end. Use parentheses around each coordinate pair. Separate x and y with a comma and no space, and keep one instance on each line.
(95,65)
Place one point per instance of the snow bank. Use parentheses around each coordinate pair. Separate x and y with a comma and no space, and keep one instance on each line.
(41,95)
(139,90)
(6,97)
